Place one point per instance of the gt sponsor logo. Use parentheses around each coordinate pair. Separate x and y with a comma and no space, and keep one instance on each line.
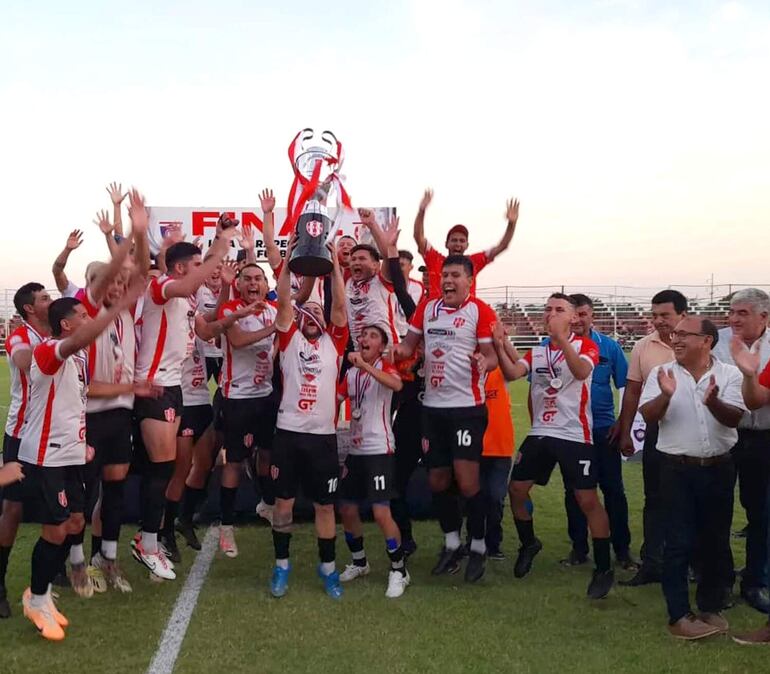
(305,404)
(435,380)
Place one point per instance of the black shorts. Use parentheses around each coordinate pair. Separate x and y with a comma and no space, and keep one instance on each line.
(52,494)
(167,407)
(217,406)
(214,367)
(368,478)
(538,455)
(195,420)
(249,424)
(453,433)
(15,491)
(109,433)
(306,459)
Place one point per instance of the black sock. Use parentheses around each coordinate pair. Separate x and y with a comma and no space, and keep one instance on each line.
(356,547)
(227,504)
(46,558)
(267,491)
(112,509)
(526,531)
(477,516)
(156,480)
(4,554)
(281,541)
(447,507)
(192,498)
(602,553)
(326,549)
(96,545)
(169,517)
(396,555)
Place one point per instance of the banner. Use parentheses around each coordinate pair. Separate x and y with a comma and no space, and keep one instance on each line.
(202,222)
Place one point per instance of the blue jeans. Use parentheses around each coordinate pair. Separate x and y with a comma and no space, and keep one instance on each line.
(610,473)
(493,475)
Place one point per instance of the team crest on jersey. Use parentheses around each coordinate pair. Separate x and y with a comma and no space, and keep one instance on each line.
(274,472)
(170,415)
(62,497)
(262,355)
(437,353)
(248,440)
(314,227)
(425,445)
(458,322)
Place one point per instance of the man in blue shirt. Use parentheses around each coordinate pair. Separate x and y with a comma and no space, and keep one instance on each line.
(612,367)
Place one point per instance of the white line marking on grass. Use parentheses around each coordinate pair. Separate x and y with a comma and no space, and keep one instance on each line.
(171,640)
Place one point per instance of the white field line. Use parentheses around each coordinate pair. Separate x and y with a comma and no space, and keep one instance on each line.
(171,640)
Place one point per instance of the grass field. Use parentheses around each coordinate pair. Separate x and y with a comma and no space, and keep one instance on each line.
(542,623)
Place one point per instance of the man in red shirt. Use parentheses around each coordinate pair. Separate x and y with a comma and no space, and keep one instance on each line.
(457,244)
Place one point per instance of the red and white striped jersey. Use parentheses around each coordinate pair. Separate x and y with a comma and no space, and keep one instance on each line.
(168,333)
(248,372)
(371,431)
(451,337)
(562,411)
(206,299)
(371,302)
(309,371)
(195,380)
(54,433)
(416,291)
(23,338)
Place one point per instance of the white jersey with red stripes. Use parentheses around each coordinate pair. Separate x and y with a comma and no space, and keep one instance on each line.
(23,338)
(309,371)
(248,372)
(54,433)
(206,300)
(416,291)
(451,337)
(371,431)
(195,379)
(371,302)
(168,333)
(561,404)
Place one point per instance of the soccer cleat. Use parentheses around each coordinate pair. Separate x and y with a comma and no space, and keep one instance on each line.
(448,562)
(81,581)
(112,573)
(397,583)
(265,511)
(52,596)
(168,547)
(187,531)
(476,566)
(156,562)
(601,584)
(43,619)
(332,583)
(574,558)
(5,607)
(98,581)
(352,571)
(526,556)
(627,562)
(279,583)
(227,542)
(644,576)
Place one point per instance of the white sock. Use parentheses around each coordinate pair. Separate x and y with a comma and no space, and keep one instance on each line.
(452,540)
(38,601)
(282,563)
(479,545)
(77,556)
(110,550)
(358,554)
(327,568)
(150,542)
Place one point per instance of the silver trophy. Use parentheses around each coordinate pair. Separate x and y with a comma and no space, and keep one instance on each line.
(316,164)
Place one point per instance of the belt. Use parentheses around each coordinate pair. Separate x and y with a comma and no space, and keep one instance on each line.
(702,461)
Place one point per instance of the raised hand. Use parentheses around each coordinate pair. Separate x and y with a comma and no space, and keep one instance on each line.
(102,221)
(747,360)
(367,217)
(248,309)
(140,222)
(390,234)
(512,210)
(198,242)
(248,242)
(225,222)
(427,197)
(74,239)
(666,381)
(229,271)
(712,392)
(174,234)
(267,201)
(115,190)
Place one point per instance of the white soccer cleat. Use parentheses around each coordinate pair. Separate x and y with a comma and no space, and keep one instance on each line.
(265,511)
(352,572)
(112,573)
(397,583)
(156,562)
(227,542)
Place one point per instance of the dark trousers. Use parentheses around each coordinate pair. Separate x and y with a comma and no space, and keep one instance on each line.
(610,471)
(697,509)
(653,517)
(751,455)
(493,475)
(407,431)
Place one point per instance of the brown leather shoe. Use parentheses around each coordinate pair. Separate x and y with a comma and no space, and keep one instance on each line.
(760,636)
(690,629)
(715,620)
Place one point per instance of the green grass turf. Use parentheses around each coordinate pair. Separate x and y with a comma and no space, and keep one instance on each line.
(542,623)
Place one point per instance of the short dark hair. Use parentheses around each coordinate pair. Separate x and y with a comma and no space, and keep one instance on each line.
(710,330)
(462,260)
(369,249)
(181,252)
(382,332)
(581,300)
(407,255)
(251,264)
(60,309)
(674,296)
(26,295)
(347,236)
(563,296)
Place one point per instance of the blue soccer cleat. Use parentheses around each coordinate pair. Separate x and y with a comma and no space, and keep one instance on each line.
(279,583)
(332,583)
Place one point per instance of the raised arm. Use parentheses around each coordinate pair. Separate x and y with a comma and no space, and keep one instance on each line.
(391,381)
(249,244)
(102,221)
(399,285)
(272,252)
(115,190)
(98,289)
(339,315)
(140,223)
(754,394)
(285,312)
(512,215)
(419,222)
(74,240)
(507,355)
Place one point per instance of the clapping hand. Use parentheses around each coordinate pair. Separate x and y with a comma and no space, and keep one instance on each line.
(666,381)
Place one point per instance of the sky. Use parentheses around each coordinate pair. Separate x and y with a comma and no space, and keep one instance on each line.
(635,134)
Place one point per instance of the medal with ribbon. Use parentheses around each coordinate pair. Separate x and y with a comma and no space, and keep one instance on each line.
(363,381)
(552,358)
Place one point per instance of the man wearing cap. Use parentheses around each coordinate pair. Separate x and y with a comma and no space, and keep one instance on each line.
(457,244)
